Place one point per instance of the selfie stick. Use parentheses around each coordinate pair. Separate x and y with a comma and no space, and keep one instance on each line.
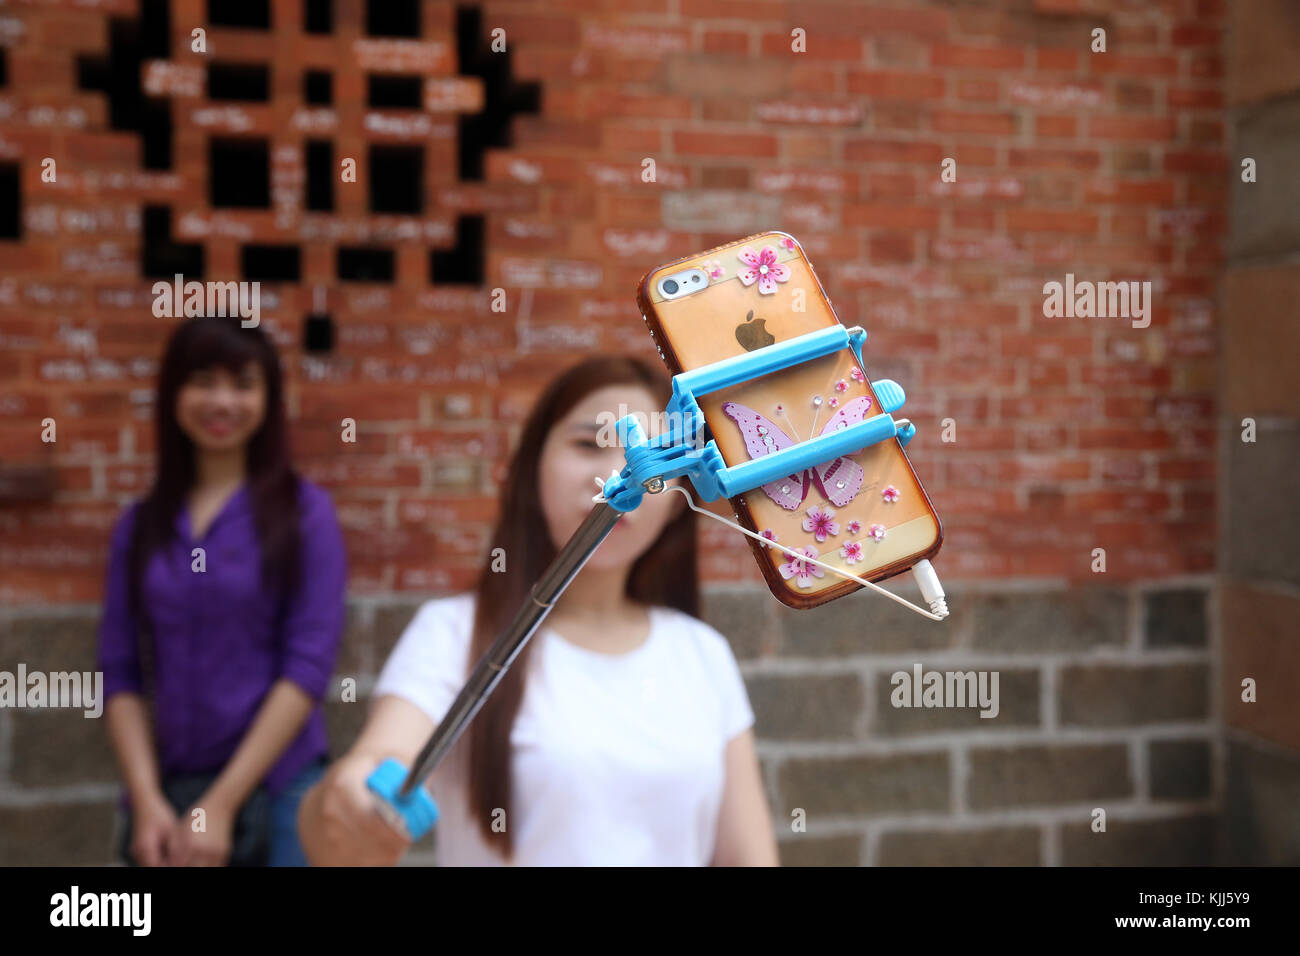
(650,463)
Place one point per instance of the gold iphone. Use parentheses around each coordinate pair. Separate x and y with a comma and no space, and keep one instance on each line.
(865,513)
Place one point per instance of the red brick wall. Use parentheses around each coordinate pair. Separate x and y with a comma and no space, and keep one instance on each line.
(1071,434)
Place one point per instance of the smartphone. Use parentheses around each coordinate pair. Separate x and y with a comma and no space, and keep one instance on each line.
(864,513)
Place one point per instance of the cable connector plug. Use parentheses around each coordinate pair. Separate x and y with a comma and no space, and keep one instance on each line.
(928,581)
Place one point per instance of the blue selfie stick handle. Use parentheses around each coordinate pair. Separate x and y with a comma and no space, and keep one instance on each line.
(415,813)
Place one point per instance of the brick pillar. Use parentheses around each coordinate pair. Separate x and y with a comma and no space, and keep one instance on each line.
(1260,552)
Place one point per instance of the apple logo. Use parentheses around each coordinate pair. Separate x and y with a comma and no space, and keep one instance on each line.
(753,334)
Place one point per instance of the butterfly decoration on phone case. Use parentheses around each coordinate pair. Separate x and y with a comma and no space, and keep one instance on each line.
(838,480)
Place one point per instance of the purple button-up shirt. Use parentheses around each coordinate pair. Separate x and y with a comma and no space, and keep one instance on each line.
(221,639)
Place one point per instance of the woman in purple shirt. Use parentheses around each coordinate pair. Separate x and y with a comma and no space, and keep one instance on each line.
(224,604)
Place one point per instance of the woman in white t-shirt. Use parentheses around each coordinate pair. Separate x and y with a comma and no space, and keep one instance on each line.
(622,733)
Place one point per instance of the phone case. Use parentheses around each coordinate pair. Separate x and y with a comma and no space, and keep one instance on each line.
(865,513)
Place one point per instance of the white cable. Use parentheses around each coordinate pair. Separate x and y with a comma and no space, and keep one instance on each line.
(931,590)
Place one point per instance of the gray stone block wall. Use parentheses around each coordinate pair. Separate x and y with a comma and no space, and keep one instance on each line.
(1105,700)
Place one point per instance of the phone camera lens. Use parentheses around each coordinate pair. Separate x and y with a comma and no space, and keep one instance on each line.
(670,286)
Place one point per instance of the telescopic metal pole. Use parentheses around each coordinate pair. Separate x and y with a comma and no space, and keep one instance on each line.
(494,664)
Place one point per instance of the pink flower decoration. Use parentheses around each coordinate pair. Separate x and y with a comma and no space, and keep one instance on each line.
(769,534)
(851,552)
(855,373)
(841,386)
(889,493)
(834,401)
(877,531)
(854,526)
(713,269)
(762,268)
(801,569)
(788,243)
(821,522)
(780,409)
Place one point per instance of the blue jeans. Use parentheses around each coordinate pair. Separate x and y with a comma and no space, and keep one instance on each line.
(285,850)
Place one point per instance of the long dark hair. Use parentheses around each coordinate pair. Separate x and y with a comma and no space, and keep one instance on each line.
(205,343)
(665,574)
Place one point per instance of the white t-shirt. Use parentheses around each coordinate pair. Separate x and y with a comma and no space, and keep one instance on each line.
(617,759)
